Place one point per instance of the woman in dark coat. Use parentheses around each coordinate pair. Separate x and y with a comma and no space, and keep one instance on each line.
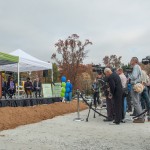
(28,87)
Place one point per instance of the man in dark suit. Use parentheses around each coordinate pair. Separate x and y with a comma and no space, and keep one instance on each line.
(37,87)
(117,93)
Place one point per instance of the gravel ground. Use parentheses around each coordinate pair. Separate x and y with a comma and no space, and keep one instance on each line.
(62,133)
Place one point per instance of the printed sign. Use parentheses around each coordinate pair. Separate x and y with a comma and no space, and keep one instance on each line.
(56,90)
(47,90)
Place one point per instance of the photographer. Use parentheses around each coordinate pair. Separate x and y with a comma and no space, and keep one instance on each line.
(146,61)
(129,104)
(96,90)
(103,81)
(145,100)
(125,90)
(136,78)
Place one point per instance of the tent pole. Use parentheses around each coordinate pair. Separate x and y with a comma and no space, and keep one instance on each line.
(18,81)
(52,74)
(52,81)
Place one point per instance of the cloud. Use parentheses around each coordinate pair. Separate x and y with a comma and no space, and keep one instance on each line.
(114,27)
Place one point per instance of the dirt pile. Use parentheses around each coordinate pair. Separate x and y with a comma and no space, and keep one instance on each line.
(11,117)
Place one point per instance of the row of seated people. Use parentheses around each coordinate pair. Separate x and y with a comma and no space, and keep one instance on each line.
(29,87)
(9,87)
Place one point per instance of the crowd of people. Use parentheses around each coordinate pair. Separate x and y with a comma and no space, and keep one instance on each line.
(125,92)
(9,87)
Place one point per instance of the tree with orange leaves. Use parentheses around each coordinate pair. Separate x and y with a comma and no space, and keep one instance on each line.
(72,53)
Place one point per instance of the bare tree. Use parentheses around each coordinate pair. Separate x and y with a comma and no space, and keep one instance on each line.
(72,53)
(112,61)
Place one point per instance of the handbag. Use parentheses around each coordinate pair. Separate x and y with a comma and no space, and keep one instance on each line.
(138,87)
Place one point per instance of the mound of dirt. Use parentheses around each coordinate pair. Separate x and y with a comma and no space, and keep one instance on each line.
(11,117)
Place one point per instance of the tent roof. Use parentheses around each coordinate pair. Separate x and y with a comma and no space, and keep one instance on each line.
(26,63)
(8,59)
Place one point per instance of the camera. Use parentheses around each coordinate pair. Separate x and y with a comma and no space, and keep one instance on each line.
(128,70)
(146,60)
(98,69)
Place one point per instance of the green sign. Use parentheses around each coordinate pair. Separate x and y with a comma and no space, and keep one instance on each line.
(47,90)
(56,90)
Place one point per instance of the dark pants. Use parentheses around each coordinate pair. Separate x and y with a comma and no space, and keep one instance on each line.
(110,108)
(118,100)
(4,93)
(96,98)
(123,107)
(145,100)
(28,92)
(129,102)
(37,91)
(148,90)
(11,92)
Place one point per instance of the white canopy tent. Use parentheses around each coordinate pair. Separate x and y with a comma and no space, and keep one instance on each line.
(26,63)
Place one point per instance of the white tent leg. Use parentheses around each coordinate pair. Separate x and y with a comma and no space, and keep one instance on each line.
(52,81)
(52,74)
(18,81)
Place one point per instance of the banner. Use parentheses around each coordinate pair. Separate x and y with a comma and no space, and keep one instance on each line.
(57,90)
(47,90)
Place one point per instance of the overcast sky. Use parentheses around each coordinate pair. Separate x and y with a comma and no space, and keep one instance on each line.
(120,27)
